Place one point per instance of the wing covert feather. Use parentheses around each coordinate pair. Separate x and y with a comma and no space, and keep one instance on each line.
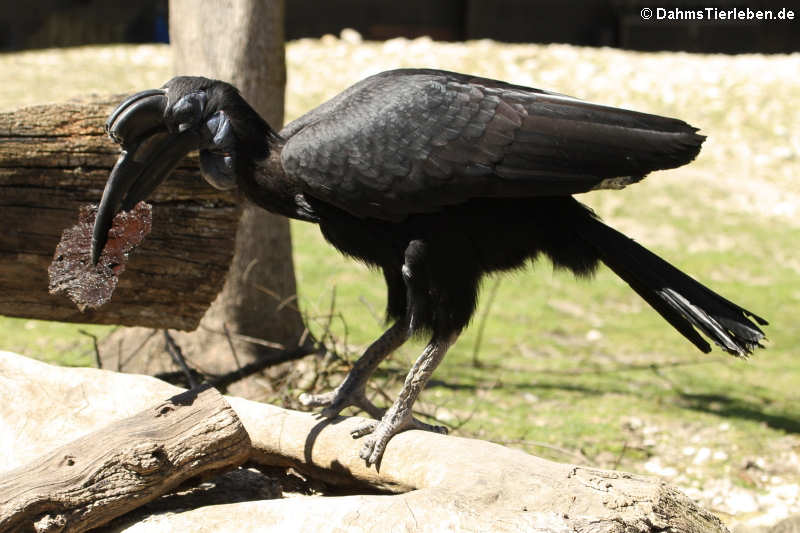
(411,141)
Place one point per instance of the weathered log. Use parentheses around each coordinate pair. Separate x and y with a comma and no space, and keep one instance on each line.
(477,485)
(450,483)
(55,158)
(124,465)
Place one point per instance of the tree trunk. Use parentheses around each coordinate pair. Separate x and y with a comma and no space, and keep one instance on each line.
(241,42)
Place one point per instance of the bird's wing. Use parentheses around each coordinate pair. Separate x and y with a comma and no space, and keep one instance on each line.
(411,141)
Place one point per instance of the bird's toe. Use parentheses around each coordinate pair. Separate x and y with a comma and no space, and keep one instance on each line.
(335,401)
(381,432)
(332,411)
(317,400)
(364,429)
(429,427)
(372,450)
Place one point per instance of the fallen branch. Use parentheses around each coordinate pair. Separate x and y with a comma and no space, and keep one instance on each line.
(90,481)
(441,482)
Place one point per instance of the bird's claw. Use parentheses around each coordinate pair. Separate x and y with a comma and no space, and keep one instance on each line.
(381,432)
(336,400)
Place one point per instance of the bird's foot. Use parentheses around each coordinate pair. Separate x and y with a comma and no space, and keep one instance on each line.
(339,398)
(381,432)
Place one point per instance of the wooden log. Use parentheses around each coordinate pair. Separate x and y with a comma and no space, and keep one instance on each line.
(452,476)
(124,465)
(442,482)
(55,158)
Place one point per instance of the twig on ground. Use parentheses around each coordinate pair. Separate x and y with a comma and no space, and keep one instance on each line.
(482,324)
(464,421)
(97,359)
(621,455)
(305,336)
(370,309)
(231,346)
(285,302)
(249,369)
(282,301)
(246,338)
(119,355)
(122,364)
(177,355)
(331,313)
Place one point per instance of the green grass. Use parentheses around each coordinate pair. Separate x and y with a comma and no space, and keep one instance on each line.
(566,364)
(55,342)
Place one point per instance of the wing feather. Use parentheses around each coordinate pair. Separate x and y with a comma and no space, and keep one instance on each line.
(410,141)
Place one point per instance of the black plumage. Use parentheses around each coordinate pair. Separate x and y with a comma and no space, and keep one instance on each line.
(437,179)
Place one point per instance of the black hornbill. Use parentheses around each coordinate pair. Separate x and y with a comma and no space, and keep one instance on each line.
(438,179)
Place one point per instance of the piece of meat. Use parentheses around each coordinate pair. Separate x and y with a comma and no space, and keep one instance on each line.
(72,272)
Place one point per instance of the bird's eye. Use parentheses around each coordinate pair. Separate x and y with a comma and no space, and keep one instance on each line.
(188,111)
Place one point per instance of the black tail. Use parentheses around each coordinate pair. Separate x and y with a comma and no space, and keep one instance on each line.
(681,300)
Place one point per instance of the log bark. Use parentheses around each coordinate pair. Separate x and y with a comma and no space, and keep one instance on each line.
(124,465)
(441,482)
(55,158)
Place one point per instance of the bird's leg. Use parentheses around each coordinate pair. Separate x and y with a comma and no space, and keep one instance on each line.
(352,391)
(398,417)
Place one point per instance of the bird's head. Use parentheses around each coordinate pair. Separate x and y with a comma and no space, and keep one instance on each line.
(158,127)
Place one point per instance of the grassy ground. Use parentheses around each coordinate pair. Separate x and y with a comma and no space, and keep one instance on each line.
(574,370)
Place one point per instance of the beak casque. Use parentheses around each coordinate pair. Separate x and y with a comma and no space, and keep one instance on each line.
(150,152)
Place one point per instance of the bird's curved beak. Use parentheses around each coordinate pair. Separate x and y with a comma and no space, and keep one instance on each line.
(150,152)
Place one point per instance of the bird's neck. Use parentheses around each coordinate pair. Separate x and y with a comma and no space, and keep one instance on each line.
(264,182)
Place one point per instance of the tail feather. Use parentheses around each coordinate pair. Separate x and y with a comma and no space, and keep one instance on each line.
(690,307)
